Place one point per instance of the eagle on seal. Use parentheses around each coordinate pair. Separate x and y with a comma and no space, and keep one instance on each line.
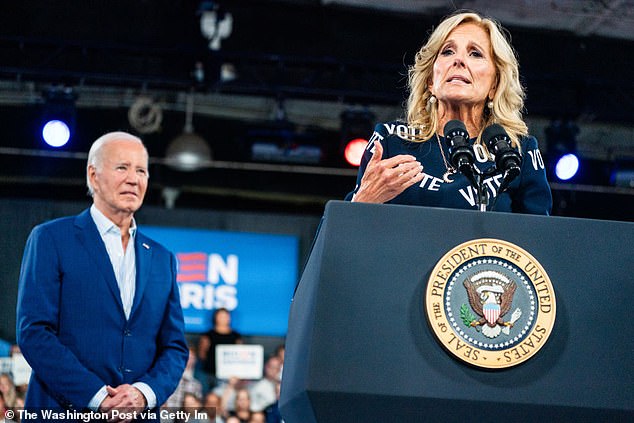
(491,296)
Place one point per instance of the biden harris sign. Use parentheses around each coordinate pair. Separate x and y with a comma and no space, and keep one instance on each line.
(251,275)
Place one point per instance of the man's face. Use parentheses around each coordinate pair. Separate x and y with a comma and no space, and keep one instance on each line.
(120,180)
(272,368)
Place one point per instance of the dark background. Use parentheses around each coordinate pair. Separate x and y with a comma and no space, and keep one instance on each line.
(307,61)
(298,65)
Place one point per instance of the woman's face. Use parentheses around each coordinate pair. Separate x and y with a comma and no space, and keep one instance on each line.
(5,384)
(191,402)
(242,400)
(464,71)
(223,318)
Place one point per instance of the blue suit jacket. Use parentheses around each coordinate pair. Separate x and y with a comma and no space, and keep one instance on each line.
(70,321)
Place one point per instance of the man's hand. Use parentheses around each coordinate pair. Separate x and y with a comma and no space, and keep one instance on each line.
(122,402)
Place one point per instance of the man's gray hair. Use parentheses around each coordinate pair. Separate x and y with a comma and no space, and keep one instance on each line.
(95,156)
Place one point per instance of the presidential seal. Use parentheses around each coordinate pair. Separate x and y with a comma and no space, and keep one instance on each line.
(490,303)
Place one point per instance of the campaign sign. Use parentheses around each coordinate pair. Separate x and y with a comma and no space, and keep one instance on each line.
(251,275)
(241,361)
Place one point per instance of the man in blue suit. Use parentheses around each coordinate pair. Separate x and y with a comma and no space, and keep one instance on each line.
(99,317)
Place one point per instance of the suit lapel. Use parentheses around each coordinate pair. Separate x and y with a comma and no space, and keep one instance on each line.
(91,241)
(143,251)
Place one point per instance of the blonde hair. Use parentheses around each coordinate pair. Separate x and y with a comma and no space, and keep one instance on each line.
(11,395)
(508,101)
(95,155)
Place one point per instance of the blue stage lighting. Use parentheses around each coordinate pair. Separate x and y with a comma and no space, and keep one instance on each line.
(567,167)
(56,133)
(622,174)
(561,138)
(58,117)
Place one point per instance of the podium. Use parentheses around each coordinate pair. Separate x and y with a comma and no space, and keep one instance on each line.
(360,349)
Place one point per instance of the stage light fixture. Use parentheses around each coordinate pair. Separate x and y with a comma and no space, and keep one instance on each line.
(561,138)
(622,174)
(356,126)
(354,151)
(189,151)
(56,133)
(567,166)
(216,24)
(282,142)
(58,116)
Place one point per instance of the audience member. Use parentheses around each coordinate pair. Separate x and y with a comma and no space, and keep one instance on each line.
(242,408)
(257,417)
(280,351)
(193,407)
(7,388)
(4,416)
(221,334)
(272,412)
(187,384)
(213,407)
(19,405)
(227,391)
(263,391)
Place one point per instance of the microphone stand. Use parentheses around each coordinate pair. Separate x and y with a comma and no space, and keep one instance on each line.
(476,178)
(483,194)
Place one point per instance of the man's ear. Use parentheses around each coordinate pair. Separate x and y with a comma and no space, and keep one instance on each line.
(92,174)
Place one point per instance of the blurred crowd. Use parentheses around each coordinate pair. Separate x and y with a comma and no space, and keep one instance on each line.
(230,400)
(11,395)
(200,395)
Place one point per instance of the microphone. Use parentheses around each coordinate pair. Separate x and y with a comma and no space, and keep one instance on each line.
(460,152)
(507,159)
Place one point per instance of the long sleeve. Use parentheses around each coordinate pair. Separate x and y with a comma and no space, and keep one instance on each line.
(533,194)
(71,323)
(70,382)
(378,135)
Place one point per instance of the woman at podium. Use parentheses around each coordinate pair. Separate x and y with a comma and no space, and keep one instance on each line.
(463,142)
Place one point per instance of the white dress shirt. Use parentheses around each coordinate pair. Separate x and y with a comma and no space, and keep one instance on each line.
(124,266)
(123,262)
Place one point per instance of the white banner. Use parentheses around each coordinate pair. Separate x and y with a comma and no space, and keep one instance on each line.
(241,361)
(17,367)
